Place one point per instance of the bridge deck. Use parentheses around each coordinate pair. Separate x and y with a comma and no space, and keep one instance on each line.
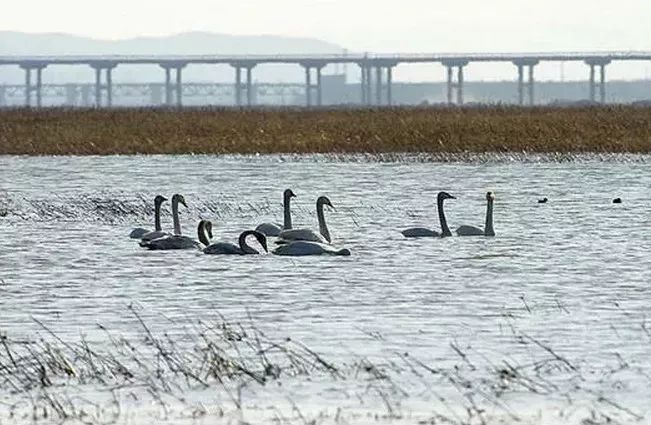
(326,58)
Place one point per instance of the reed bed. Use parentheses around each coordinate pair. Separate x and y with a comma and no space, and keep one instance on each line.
(57,131)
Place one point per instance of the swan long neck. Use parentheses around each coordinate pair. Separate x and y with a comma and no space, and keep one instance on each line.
(488,229)
(445,230)
(323,227)
(175,217)
(157,225)
(243,245)
(287,219)
(202,233)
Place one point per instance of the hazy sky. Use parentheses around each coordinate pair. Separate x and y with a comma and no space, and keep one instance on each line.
(373,25)
(361,25)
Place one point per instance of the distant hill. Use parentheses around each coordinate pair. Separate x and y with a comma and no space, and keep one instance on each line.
(190,43)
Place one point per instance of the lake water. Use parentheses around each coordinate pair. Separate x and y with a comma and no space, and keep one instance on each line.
(561,295)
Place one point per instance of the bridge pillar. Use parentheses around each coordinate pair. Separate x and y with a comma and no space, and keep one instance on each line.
(103,86)
(528,84)
(317,87)
(380,91)
(30,86)
(383,83)
(601,63)
(389,85)
(239,86)
(365,83)
(455,83)
(173,89)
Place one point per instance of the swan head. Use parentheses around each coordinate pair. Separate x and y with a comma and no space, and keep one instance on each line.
(179,200)
(289,194)
(490,196)
(444,195)
(262,240)
(323,200)
(159,199)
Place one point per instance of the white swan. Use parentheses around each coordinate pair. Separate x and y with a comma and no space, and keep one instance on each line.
(139,232)
(421,232)
(488,228)
(177,240)
(227,248)
(307,234)
(303,248)
(273,229)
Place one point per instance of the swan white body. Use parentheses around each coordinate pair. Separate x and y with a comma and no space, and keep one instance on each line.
(421,232)
(227,248)
(323,236)
(304,248)
(488,228)
(274,229)
(139,232)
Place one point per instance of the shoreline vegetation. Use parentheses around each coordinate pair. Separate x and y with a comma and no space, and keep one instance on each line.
(430,130)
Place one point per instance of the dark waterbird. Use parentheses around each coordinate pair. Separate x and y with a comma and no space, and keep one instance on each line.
(421,232)
(139,232)
(488,227)
(227,248)
(274,229)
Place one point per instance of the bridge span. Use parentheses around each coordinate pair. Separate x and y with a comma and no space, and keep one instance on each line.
(376,72)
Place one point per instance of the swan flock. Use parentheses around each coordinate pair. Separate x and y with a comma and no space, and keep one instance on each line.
(291,241)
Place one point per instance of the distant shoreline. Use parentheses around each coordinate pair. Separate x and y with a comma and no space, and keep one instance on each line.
(495,129)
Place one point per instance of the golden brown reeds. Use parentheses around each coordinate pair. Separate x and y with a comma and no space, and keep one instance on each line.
(58,131)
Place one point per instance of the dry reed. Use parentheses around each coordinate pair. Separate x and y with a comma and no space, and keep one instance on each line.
(612,129)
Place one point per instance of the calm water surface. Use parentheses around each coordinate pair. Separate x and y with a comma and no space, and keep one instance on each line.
(573,274)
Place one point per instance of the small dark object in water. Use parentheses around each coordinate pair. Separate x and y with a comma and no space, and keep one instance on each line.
(542,201)
(617,201)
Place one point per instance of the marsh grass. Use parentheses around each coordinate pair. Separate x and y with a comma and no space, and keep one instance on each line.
(95,379)
(58,131)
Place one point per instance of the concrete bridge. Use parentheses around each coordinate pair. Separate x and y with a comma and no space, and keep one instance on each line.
(376,72)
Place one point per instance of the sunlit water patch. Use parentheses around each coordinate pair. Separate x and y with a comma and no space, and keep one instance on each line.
(545,323)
